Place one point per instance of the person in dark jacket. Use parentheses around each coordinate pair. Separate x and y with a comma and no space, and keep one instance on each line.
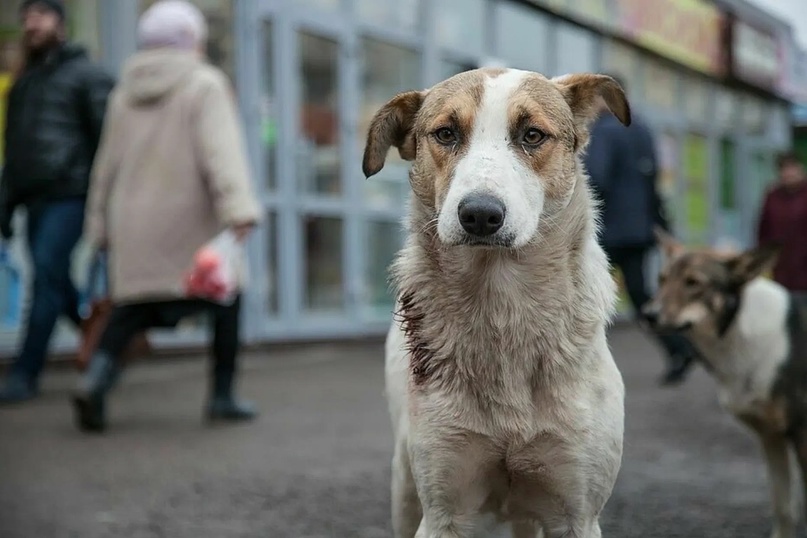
(623,168)
(53,126)
(783,221)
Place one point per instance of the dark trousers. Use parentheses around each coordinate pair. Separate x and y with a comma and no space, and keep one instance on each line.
(631,262)
(128,320)
(54,228)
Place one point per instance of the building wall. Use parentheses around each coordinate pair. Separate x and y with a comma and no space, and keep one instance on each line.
(309,75)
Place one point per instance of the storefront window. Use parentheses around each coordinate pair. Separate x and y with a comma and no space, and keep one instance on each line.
(318,163)
(460,25)
(575,50)
(402,14)
(220,21)
(323,261)
(83,24)
(660,87)
(521,36)
(386,70)
(621,60)
(384,239)
(696,100)
(268,107)
(329,5)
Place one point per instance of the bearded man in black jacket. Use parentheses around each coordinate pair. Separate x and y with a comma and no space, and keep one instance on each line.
(55,116)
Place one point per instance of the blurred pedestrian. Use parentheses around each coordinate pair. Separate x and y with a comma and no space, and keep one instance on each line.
(170,175)
(783,221)
(53,125)
(624,170)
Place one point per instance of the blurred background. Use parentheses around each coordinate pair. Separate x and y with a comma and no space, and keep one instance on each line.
(723,84)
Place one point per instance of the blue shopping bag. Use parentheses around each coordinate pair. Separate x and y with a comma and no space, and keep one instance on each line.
(10,290)
(96,287)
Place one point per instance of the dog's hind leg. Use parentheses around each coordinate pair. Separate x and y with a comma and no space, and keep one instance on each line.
(778,462)
(406,510)
(800,449)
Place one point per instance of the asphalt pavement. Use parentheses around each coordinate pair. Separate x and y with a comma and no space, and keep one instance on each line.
(316,463)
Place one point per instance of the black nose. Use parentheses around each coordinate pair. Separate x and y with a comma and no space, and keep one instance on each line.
(481,214)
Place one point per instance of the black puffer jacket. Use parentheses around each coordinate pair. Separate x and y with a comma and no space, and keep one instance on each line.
(53,126)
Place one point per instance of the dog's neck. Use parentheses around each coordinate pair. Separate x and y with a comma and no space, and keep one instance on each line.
(474,311)
(756,336)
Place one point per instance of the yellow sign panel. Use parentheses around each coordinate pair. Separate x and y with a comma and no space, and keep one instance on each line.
(687,31)
(5,86)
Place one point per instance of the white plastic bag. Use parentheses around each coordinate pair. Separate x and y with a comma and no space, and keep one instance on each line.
(219,270)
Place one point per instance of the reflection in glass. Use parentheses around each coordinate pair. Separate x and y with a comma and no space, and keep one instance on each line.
(323,263)
(384,239)
(318,150)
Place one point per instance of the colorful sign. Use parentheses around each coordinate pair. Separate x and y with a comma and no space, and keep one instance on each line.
(5,87)
(687,31)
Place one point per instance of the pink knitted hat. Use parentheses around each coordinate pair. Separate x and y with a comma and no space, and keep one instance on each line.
(172,23)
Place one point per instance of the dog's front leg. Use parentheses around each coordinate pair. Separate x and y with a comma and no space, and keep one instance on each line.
(450,470)
(778,461)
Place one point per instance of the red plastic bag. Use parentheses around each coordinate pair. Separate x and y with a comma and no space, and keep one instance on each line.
(217,273)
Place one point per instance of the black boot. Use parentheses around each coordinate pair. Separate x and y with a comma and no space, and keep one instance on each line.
(677,370)
(223,405)
(88,401)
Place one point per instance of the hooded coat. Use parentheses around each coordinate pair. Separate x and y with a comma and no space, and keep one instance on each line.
(170,174)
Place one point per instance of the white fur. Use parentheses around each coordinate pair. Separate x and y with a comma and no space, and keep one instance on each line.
(526,417)
(490,167)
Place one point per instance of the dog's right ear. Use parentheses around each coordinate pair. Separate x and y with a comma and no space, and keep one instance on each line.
(671,247)
(392,126)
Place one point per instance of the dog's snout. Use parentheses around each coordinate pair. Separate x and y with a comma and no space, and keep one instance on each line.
(481,214)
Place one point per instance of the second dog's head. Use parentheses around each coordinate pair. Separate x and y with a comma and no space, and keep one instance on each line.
(495,150)
(701,289)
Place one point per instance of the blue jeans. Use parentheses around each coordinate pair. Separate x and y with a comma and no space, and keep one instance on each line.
(54,229)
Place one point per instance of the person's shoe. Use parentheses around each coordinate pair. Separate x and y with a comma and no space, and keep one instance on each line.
(228,409)
(88,400)
(17,390)
(677,371)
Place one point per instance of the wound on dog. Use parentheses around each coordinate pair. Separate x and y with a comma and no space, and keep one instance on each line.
(411,320)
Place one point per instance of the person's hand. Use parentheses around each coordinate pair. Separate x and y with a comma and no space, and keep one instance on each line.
(243,230)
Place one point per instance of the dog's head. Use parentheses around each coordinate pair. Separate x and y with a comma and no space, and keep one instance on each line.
(495,150)
(701,289)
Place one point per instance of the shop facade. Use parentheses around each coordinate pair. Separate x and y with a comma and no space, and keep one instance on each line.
(309,74)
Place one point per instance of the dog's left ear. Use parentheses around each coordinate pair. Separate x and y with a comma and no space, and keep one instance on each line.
(752,263)
(588,95)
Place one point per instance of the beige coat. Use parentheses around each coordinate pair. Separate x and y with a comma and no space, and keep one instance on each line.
(171,172)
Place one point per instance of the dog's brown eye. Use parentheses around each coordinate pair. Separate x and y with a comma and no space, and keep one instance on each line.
(691,282)
(445,136)
(533,137)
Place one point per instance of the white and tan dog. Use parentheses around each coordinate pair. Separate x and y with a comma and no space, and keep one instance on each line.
(503,393)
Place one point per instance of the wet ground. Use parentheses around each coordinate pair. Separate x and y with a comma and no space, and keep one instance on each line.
(316,464)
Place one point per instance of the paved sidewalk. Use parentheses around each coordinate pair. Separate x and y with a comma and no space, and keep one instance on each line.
(316,464)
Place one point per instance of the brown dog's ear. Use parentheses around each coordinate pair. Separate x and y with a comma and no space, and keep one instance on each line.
(670,245)
(392,126)
(588,95)
(752,263)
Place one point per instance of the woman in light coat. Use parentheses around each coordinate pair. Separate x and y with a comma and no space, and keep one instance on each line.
(170,174)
